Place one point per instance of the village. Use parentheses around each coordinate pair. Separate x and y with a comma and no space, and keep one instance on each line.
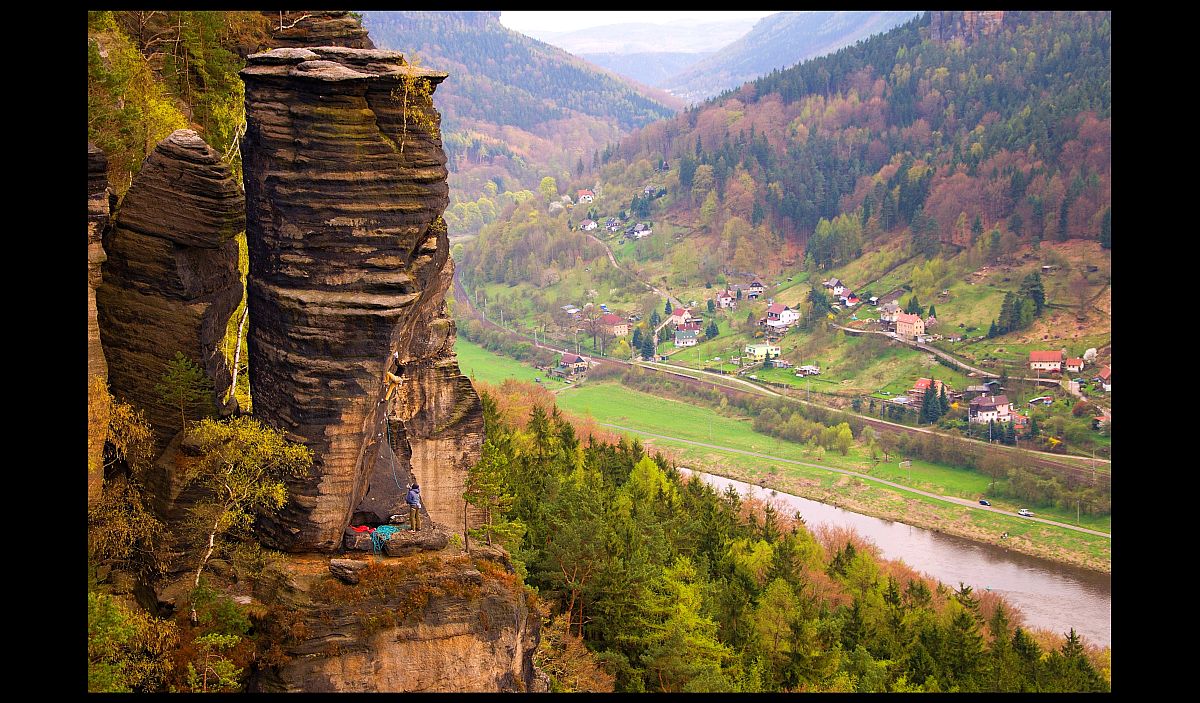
(764,332)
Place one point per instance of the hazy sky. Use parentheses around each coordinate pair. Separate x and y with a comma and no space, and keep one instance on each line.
(566,20)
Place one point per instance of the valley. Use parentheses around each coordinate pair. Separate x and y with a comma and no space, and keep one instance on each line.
(758,352)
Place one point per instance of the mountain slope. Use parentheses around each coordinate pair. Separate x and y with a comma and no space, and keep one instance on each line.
(514,110)
(778,41)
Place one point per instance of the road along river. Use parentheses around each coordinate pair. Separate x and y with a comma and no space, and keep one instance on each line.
(1051,595)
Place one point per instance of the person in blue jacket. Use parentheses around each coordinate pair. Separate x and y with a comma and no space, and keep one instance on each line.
(414,506)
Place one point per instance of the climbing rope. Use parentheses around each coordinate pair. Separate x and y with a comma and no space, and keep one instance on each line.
(381,535)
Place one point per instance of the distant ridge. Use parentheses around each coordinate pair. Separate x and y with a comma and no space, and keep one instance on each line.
(778,41)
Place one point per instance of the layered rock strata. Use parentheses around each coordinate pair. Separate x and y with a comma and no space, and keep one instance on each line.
(99,211)
(345,186)
(170,282)
(301,28)
(428,623)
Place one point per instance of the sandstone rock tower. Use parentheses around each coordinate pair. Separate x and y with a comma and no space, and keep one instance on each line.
(349,265)
(170,282)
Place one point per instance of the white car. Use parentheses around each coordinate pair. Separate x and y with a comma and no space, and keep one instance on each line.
(1023,512)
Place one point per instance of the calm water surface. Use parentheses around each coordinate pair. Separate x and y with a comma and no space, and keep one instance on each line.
(1050,595)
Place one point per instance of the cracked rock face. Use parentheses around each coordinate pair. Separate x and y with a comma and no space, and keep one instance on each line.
(299,28)
(170,282)
(349,264)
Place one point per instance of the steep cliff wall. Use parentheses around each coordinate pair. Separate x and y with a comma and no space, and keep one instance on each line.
(170,281)
(99,211)
(348,270)
(428,622)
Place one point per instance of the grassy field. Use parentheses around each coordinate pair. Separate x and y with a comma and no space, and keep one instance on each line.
(615,404)
(477,362)
(611,403)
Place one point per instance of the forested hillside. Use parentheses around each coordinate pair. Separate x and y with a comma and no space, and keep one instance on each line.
(775,42)
(152,72)
(514,109)
(674,587)
(1005,129)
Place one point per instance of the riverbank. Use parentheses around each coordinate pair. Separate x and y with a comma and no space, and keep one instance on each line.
(866,497)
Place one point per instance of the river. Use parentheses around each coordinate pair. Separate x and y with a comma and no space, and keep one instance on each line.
(1050,595)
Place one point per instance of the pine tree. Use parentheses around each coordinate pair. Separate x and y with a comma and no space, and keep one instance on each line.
(636,340)
(185,386)
(932,311)
(943,401)
(648,346)
(1031,288)
(667,308)
(929,406)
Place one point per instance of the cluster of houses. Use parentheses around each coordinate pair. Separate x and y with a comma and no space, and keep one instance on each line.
(984,404)
(1056,361)
(687,327)
(839,291)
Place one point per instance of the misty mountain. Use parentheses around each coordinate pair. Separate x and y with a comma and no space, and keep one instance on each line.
(778,41)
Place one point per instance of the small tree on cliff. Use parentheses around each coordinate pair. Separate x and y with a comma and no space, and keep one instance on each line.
(185,386)
(242,467)
(415,95)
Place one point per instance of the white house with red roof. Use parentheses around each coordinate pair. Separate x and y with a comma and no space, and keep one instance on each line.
(585,196)
(588,225)
(781,316)
(726,300)
(1050,361)
(1074,364)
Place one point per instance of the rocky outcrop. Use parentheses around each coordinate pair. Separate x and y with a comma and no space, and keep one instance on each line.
(345,186)
(430,622)
(294,29)
(99,211)
(968,25)
(170,282)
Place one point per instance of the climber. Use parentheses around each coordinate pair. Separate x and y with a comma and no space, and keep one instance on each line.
(414,507)
(391,379)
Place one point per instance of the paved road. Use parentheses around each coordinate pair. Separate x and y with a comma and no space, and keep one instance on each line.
(974,505)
